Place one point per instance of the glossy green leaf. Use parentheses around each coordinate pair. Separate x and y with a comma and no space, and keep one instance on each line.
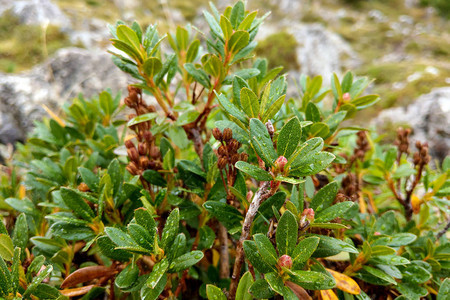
(254,171)
(286,235)
(171,227)
(312,280)
(158,272)
(242,292)
(261,141)
(266,249)
(333,212)
(289,138)
(127,277)
(185,261)
(6,247)
(255,257)
(249,102)
(75,202)
(230,108)
(380,274)
(260,289)
(20,232)
(304,249)
(273,109)
(324,197)
(238,40)
(214,293)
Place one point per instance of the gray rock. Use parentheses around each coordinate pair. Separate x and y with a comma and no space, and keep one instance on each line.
(69,72)
(322,52)
(428,116)
(35,12)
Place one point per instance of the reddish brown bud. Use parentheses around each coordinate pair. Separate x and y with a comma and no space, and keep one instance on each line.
(154,152)
(234,146)
(227,134)
(133,154)
(244,156)
(144,162)
(235,158)
(222,163)
(82,187)
(280,163)
(129,144)
(143,149)
(132,168)
(285,261)
(222,151)
(148,136)
(217,134)
(151,108)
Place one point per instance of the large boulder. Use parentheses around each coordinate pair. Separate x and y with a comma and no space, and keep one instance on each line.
(35,12)
(70,72)
(428,116)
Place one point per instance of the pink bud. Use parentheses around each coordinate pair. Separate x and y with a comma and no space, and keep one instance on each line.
(308,214)
(346,97)
(285,261)
(377,233)
(280,163)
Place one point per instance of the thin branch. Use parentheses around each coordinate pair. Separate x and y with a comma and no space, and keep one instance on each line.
(251,213)
(224,257)
(443,231)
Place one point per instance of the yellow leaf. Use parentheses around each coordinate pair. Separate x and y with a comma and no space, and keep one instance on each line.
(216,257)
(328,295)
(22,191)
(129,137)
(415,203)
(345,283)
(53,115)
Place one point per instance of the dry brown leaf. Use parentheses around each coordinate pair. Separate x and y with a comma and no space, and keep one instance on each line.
(298,291)
(87,274)
(77,291)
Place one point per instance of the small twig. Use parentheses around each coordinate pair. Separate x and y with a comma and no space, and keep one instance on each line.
(251,213)
(224,271)
(443,231)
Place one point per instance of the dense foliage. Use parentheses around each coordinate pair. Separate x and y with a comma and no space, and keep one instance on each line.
(221,188)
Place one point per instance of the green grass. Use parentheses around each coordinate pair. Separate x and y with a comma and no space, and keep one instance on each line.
(24,46)
(280,50)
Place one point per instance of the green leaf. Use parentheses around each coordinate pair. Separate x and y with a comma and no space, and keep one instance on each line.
(230,108)
(365,101)
(305,151)
(214,67)
(247,22)
(237,14)
(89,178)
(290,180)
(289,138)
(315,163)
(145,219)
(228,215)
(15,271)
(319,129)
(75,202)
(198,74)
(273,109)
(170,229)
(404,170)
(444,290)
(148,293)
(5,278)
(249,102)
(266,249)
(276,201)
(312,280)
(142,118)
(192,51)
(158,272)
(379,274)
(6,247)
(120,238)
(129,39)
(253,171)
(260,289)
(226,26)
(238,40)
(324,197)
(415,274)
(394,260)
(128,276)
(185,261)
(333,212)
(24,205)
(276,282)
(214,293)
(141,236)
(207,237)
(45,291)
(402,239)
(43,274)
(304,249)
(213,25)
(247,73)
(329,245)
(153,177)
(312,113)
(412,291)
(255,257)
(244,285)
(152,66)
(286,235)
(261,141)
(20,232)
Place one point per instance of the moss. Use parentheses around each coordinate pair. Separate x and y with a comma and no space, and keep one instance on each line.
(23,45)
(280,50)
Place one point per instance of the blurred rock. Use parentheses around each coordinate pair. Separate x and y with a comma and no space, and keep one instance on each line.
(428,116)
(35,12)
(69,72)
(92,34)
(322,52)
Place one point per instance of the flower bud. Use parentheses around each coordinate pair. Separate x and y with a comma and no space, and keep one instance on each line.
(133,154)
(132,168)
(129,144)
(280,163)
(217,134)
(154,152)
(82,187)
(227,134)
(285,261)
(235,158)
(346,97)
(244,156)
(222,151)
(222,163)
(148,136)
(144,162)
(308,213)
(233,146)
(142,148)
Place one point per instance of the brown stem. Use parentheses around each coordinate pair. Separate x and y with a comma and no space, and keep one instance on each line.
(443,231)
(224,271)
(251,213)
(198,142)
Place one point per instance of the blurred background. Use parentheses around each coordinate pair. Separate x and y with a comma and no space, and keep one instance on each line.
(51,50)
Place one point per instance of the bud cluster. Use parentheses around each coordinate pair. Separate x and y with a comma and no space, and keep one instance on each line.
(362,145)
(402,140)
(145,155)
(421,157)
(228,155)
(350,187)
